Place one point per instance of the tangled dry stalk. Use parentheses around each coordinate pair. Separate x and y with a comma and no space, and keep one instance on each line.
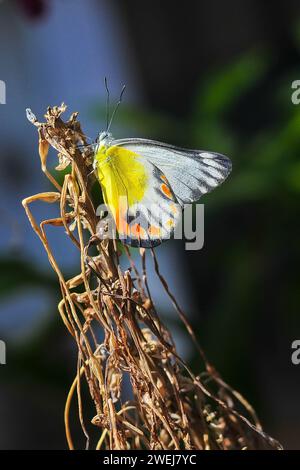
(170,408)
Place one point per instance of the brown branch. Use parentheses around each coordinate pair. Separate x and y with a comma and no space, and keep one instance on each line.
(171,408)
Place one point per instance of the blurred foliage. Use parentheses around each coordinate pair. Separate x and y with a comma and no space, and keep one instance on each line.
(16,274)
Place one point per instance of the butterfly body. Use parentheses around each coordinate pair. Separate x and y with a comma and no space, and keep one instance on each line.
(145,184)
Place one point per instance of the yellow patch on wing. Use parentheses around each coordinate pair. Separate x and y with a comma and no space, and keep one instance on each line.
(170,223)
(124,180)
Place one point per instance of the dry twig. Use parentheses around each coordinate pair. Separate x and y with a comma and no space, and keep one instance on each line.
(170,407)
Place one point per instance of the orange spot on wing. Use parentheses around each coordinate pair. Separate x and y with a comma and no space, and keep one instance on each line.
(121,222)
(173,208)
(137,231)
(122,227)
(164,178)
(166,190)
(154,231)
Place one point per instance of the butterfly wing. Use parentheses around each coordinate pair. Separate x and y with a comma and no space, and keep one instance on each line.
(190,173)
(138,195)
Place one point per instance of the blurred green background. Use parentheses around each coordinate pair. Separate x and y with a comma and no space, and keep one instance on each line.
(212,75)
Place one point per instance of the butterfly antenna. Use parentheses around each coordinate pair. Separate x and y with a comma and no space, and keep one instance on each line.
(107,102)
(116,107)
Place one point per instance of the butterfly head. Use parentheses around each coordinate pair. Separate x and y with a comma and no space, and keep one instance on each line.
(103,142)
(104,139)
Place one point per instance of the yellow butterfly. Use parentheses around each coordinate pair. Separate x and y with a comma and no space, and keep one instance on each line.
(146,183)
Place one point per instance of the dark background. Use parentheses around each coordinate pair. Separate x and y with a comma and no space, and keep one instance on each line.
(213,75)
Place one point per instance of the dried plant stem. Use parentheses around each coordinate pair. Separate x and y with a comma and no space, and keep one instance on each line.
(118,331)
